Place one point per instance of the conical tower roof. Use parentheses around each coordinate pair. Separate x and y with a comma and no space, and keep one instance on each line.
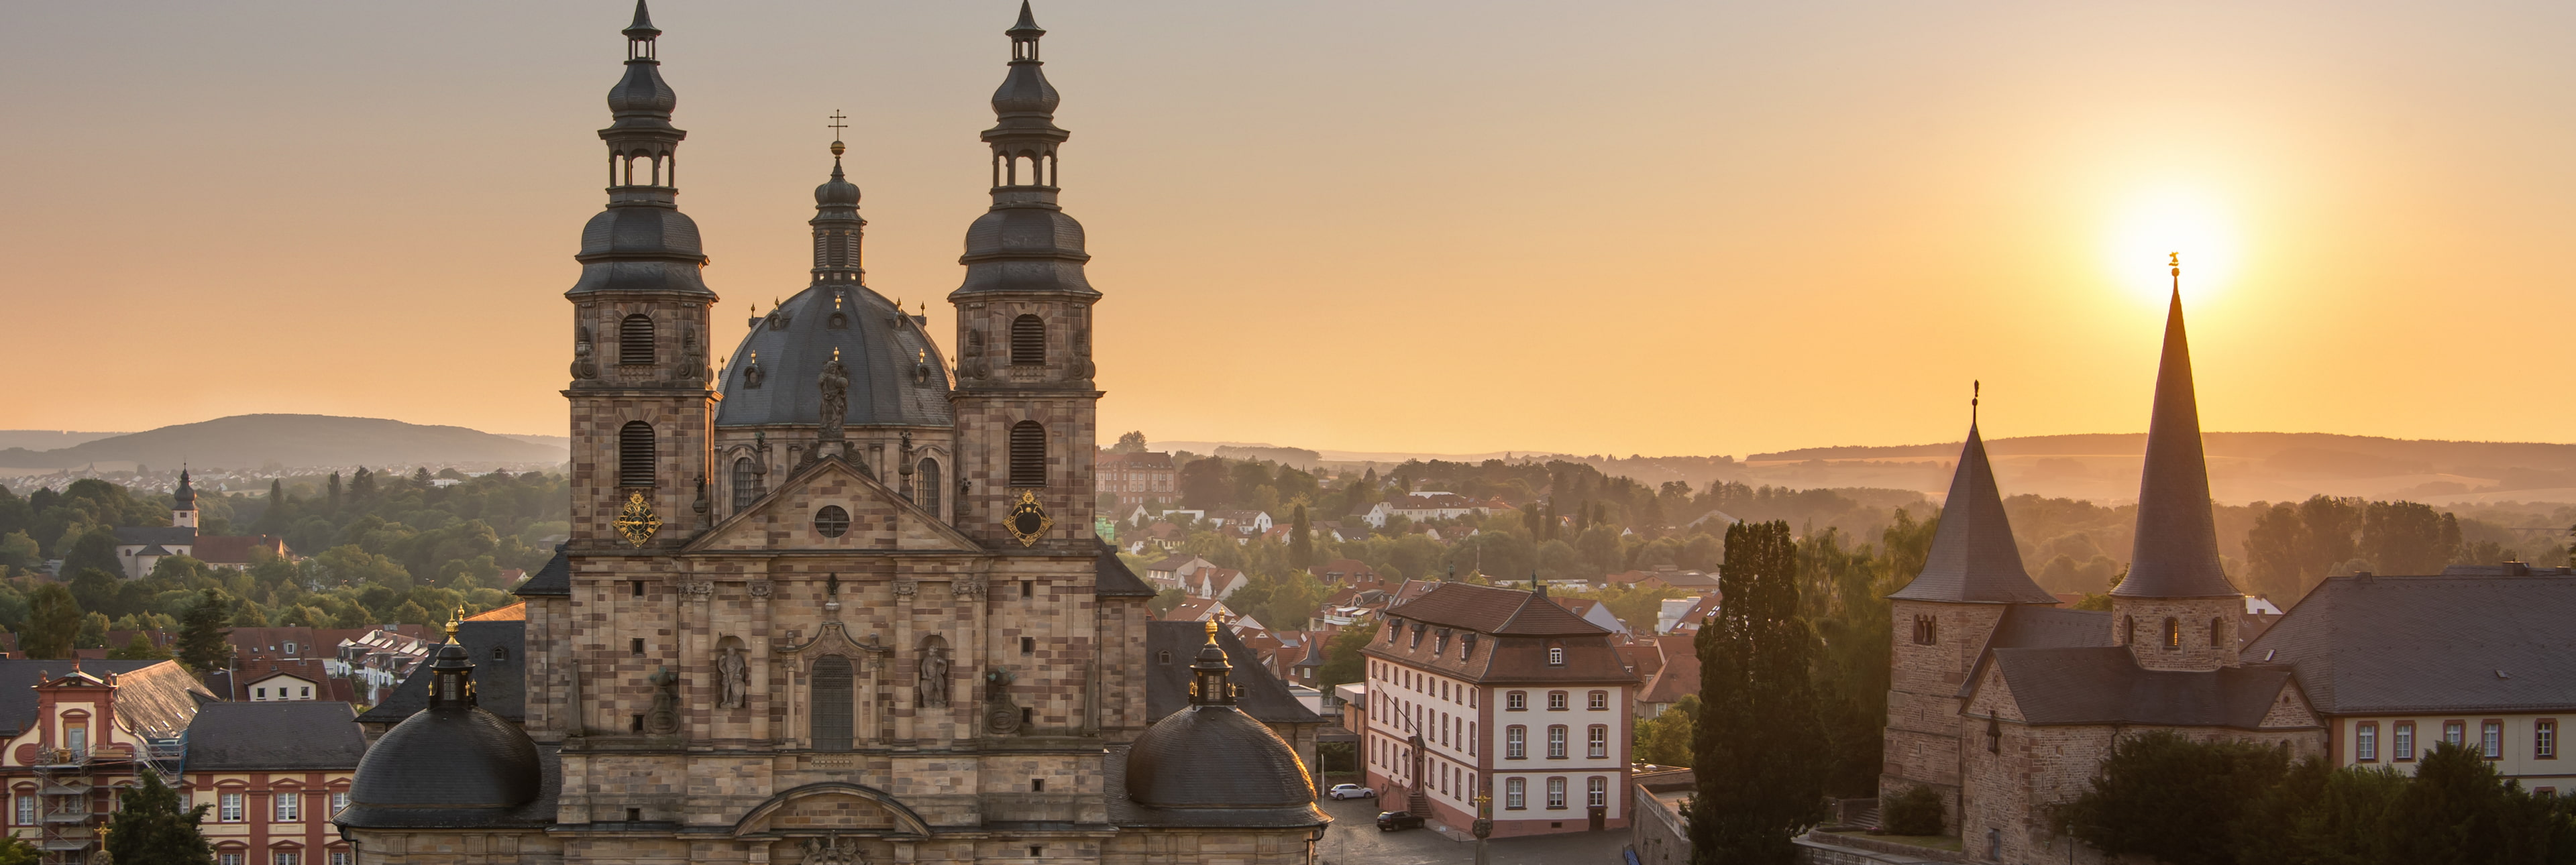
(2177,542)
(1974,559)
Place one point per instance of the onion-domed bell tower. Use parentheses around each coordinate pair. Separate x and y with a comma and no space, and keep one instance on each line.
(1024,398)
(640,401)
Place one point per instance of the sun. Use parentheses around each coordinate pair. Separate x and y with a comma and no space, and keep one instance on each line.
(2164,220)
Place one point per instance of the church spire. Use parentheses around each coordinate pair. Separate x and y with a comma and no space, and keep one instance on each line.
(1025,242)
(837,226)
(2177,542)
(642,242)
(1973,558)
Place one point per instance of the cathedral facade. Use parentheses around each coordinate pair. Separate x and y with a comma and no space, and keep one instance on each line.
(839,601)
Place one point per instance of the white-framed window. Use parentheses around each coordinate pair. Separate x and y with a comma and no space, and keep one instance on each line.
(1556,701)
(1516,701)
(1556,794)
(1596,742)
(26,809)
(1596,792)
(339,857)
(1600,701)
(1556,742)
(2544,739)
(228,859)
(339,803)
(228,808)
(1515,745)
(287,806)
(2365,742)
(2491,740)
(2401,740)
(1515,793)
(285,857)
(1556,656)
(2455,732)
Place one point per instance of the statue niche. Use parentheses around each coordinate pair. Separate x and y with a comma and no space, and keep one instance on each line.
(933,667)
(664,719)
(734,672)
(1001,713)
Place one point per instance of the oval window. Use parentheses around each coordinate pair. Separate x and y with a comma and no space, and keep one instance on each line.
(832,521)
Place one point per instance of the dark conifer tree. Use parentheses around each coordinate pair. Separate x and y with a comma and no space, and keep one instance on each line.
(332,497)
(1301,543)
(53,620)
(1759,750)
(202,632)
(151,826)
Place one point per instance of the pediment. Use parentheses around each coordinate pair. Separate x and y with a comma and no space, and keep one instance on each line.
(879,518)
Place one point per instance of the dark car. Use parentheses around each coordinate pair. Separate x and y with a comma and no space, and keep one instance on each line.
(1389,821)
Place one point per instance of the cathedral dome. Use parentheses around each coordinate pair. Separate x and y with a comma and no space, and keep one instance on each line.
(897,375)
(451,764)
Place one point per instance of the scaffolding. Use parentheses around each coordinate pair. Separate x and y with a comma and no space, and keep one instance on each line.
(70,781)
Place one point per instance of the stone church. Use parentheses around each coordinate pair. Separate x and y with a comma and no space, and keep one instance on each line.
(2005,704)
(840,602)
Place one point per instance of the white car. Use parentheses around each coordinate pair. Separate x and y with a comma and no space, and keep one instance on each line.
(1350,791)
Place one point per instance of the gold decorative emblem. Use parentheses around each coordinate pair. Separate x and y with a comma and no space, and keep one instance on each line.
(1028,521)
(636,522)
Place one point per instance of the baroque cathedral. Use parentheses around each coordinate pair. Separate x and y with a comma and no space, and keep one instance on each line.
(841,602)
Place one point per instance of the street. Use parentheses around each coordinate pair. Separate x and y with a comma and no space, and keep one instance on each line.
(1355,840)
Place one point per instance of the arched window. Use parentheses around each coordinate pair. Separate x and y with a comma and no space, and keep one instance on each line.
(2128,630)
(928,473)
(746,483)
(1028,454)
(635,455)
(2173,633)
(2217,633)
(635,339)
(1028,341)
(831,689)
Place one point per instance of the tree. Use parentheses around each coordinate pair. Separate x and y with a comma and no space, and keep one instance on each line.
(16,851)
(1166,599)
(53,620)
(202,632)
(1301,541)
(1342,659)
(93,588)
(1665,739)
(1204,484)
(151,825)
(1758,746)
(2174,799)
(140,648)
(94,549)
(1131,442)
(2458,810)
(2408,538)
(93,632)
(19,551)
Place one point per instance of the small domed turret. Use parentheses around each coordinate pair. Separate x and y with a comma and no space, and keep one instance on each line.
(1212,755)
(452,764)
(838,191)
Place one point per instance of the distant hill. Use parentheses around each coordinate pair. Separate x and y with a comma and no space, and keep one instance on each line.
(253,440)
(48,439)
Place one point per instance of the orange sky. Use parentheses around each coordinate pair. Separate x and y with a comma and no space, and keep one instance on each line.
(1654,227)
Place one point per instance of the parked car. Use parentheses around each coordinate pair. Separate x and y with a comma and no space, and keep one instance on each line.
(1350,791)
(1389,821)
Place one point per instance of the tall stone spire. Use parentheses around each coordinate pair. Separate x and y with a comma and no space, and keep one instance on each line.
(2177,541)
(641,242)
(1025,243)
(1973,558)
(838,228)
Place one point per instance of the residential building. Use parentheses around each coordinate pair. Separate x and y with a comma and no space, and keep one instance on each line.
(1199,610)
(1256,521)
(1168,573)
(1423,506)
(1136,479)
(1482,690)
(1685,615)
(274,774)
(140,548)
(1594,611)
(1675,675)
(77,730)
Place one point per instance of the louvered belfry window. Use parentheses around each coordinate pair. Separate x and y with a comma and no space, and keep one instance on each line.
(635,339)
(635,455)
(1028,454)
(1028,341)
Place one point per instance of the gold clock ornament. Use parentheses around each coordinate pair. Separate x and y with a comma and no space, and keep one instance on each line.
(636,521)
(1028,521)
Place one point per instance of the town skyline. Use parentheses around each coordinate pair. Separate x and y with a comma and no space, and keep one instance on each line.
(1716,190)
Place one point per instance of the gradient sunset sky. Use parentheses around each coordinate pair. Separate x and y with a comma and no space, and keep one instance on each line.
(1663,228)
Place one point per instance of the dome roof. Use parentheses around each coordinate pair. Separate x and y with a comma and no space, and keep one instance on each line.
(838,191)
(1214,756)
(642,89)
(451,764)
(1025,249)
(897,375)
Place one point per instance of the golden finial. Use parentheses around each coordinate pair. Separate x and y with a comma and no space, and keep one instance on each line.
(1211,630)
(453,621)
(2175,260)
(836,354)
(836,126)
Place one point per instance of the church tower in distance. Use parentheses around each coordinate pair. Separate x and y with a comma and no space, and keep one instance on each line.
(2176,610)
(640,401)
(1025,404)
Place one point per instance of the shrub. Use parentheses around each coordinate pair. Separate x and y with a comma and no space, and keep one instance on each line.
(1914,812)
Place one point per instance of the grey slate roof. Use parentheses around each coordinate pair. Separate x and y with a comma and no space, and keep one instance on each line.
(2177,541)
(897,375)
(500,685)
(1125,811)
(2027,626)
(1973,558)
(18,678)
(1167,683)
(297,735)
(2105,685)
(553,580)
(2432,644)
(1110,577)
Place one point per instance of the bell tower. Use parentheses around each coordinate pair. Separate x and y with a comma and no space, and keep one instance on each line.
(2176,610)
(1025,402)
(640,401)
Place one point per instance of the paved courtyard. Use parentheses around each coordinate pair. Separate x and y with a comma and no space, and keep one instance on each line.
(1355,840)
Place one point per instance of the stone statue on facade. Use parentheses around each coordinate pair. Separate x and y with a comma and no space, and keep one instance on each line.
(934,677)
(736,674)
(835,382)
(665,716)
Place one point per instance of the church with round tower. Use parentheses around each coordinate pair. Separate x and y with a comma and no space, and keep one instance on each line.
(840,601)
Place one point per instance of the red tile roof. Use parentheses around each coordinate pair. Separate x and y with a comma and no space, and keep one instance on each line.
(1502,612)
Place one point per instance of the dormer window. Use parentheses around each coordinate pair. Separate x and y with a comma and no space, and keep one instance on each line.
(1555,655)
(1440,642)
(1466,646)
(1416,643)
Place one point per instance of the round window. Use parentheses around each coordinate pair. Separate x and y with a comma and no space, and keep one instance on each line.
(832,521)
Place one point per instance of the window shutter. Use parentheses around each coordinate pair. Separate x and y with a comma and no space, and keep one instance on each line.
(635,339)
(1028,341)
(635,455)
(1028,454)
